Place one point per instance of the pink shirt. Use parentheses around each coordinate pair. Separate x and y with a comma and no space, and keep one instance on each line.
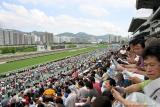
(97,87)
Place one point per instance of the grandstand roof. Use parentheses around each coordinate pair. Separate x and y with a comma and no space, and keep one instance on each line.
(143,33)
(149,4)
(136,23)
(156,15)
(144,26)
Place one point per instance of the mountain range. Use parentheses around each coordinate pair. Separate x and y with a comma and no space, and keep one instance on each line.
(87,36)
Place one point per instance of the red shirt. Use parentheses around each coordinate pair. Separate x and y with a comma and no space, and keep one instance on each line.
(97,87)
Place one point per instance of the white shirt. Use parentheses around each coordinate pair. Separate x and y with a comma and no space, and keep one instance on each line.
(122,51)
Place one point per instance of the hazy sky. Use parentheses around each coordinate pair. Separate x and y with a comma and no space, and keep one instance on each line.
(96,17)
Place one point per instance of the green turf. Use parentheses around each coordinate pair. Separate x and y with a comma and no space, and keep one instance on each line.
(43,59)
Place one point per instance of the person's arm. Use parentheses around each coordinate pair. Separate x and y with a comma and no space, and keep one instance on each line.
(135,80)
(137,71)
(130,103)
(140,72)
(132,88)
(130,66)
(126,103)
(122,68)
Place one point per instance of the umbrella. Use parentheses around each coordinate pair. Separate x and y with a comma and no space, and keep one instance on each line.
(49,92)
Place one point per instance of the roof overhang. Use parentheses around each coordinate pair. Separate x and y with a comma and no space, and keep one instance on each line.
(149,4)
(143,34)
(136,23)
(156,14)
(144,26)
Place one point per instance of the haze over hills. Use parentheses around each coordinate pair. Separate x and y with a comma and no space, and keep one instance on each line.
(88,36)
(82,34)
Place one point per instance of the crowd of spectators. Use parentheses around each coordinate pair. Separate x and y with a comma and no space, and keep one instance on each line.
(125,77)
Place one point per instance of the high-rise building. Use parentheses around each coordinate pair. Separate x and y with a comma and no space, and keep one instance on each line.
(46,38)
(119,39)
(33,40)
(56,39)
(43,39)
(12,38)
(1,37)
(51,38)
(15,38)
(6,37)
(20,38)
(23,39)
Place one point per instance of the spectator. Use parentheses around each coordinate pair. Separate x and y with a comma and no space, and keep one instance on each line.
(71,98)
(96,85)
(120,81)
(152,67)
(82,92)
(102,101)
(59,102)
(92,92)
(107,85)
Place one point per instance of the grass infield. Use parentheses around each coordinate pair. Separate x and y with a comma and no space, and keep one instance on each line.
(15,65)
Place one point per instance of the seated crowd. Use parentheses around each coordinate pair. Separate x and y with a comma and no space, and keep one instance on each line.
(128,77)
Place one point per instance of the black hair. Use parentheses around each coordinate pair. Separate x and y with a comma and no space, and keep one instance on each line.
(104,68)
(72,82)
(67,90)
(153,50)
(131,41)
(46,99)
(40,105)
(112,53)
(102,101)
(93,73)
(92,79)
(59,101)
(128,49)
(138,41)
(109,95)
(108,63)
(59,94)
(81,83)
(112,82)
(89,84)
